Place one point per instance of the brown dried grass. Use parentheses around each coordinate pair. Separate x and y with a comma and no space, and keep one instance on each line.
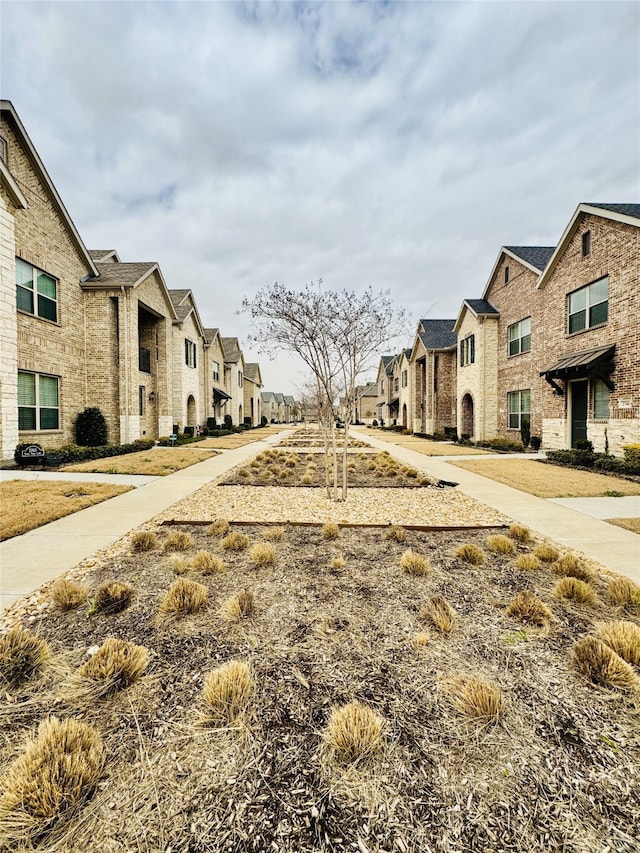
(116,665)
(415,564)
(572,566)
(623,592)
(471,553)
(545,552)
(396,533)
(601,665)
(207,563)
(143,540)
(500,544)
(235,541)
(337,563)
(67,594)
(474,697)
(113,597)
(22,656)
(178,540)
(623,637)
(179,563)
(575,590)
(519,532)
(529,562)
(420,640)
(528,608)
(184,596)
(274,534)
(439,613)
(262,554)
(330,530)
(354,731)
(227,691)
(238,607)
(219,527)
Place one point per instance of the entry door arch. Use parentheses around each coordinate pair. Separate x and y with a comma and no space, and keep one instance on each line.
(466,424)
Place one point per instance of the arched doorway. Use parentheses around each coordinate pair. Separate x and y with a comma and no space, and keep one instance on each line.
(191,411)
(240,420)
(466,426)
(404,415)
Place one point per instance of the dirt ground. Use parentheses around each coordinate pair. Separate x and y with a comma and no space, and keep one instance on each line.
(557,772)
(157,462)
(549,481)
(27,504)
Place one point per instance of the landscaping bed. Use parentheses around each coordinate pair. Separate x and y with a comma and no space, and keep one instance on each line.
(327,617)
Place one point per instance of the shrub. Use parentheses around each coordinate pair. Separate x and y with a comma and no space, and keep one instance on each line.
(219,527)
(601,665)
(262,554)
(623,637)
(307,479)
(228,421)
(113,597)
(536,442)
(57,771)
(415,564)
(227,691)
(354,731)
(519,532)
(207,563)
(115,665)
(440,613)
(338,563)
(22,655)
(470,553)
(184,596)
(527,608)
(67,594)
(500,544)
(143,540)
(525,434)
(91,428)
(545,552)
(632,454)
(623,592)
(179,563)
(572,566)
(575,590)
(330,530)
(474,697)
(239,606)
(421,639)
(178,540)
(529,562)
(397,533)
(274,534)
(235,541)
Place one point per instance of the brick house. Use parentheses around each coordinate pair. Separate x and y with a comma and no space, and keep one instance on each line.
(589,354)
(214,376)
(252,393)
(234,379)
(405,388)
(269,406)
(433,377)
(384,381)
(366,402)
(190,403)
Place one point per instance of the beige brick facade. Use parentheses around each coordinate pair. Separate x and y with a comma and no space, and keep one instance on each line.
(477,382)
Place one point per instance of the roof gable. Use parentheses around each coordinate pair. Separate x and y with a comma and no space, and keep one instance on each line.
(479,308)
(533,258)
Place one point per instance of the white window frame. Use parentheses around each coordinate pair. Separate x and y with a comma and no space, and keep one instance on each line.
(519,334)
(468,350)
(405,378)
(35,291)
(239,379)
(521,408)
(600,400)
(36,406)
(190,353)
(216,371)
(589,291)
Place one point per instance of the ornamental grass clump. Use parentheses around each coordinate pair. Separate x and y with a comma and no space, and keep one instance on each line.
(235,541)
(354,731)
(116,665)
(545,552)
(474,697)
(575,590)
(623,592)
(500,544)
(519,532)
(470,553)
(179,563)
(415,564)
(330,530)
(143,540)
(67,594)
(184,596)
(112,597)
(528,608)
(601,665)
(529,562)
(262,554)
(227,691)
(439,613)
(623,637)
(219,527)
(572,566)
(238,607)
(337,563)
(22,656)
(57,771)
(420,640)
(396,533)
(207,563)
(178,540)
(274,534)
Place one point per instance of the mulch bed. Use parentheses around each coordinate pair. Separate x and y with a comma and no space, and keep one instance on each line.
(558,772)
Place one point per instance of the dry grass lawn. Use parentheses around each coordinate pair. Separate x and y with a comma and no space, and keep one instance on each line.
(157,462)
(426,446)
(240,439)
(632,524)
(27,504)
(548,481)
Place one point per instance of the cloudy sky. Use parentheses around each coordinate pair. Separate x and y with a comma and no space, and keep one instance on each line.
(390,144)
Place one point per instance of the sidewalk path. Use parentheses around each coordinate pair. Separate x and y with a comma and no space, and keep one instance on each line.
(30,560)
(613,547)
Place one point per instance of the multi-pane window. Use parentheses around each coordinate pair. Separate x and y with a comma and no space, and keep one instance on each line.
(586,244)
(239,379)
(520,337)
(189,353)
(589,306)
(405,378)
(382,386)
(38,401)
(468,350)
(216,371)
(600,400)
(519,404)
(36,292)
(396,385)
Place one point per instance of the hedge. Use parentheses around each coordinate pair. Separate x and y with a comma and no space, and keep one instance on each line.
(73,453)
(595,461)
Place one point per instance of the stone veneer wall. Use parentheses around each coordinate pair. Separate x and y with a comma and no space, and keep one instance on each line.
(479,379)
(8,331)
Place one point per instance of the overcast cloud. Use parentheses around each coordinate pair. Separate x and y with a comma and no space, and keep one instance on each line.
(397,145)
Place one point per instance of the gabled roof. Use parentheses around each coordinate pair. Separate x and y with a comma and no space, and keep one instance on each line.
(104,255)
(211,334)
(387,363)
(478,307)
(368,391)
(288,398)
(231,349)
(116,275)
(628,214)
(11,186)
(279,397)
(38,166)
(436,334)
(252,372)
(268,396)
(534,258)
(185,304)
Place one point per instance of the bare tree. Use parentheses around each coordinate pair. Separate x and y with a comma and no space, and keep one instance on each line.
(336,334)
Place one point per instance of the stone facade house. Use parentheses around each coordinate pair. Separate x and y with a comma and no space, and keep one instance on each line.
(477,371)
(404,369)
(190,404)
(269,406)
(384,381)
(234,379)
(366,401)
(433,377)
(214,376)
(252,392)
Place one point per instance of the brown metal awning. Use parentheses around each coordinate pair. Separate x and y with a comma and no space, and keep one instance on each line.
(596,363)
(220,395)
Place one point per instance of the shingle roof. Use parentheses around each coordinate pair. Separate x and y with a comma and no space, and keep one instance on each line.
(387,363)
(231,349)
(438,334)
(481,306)
(288,398)
(209,335)
(251,370)
(117,275)
(626,209)
(537,256)
(178,296)
(279,398)
(99,254)
(268,396)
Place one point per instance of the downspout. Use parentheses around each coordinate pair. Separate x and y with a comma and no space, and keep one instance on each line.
(126,363)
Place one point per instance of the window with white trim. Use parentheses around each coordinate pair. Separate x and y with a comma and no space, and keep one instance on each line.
(520,337)
(382,386)
(519,405)
(38,401)
(36,291)
(396,385)
(216,371)
(189,353)
(405,378)
(601,396)
(141,397)
(239,379)
(589,306)
(468,350)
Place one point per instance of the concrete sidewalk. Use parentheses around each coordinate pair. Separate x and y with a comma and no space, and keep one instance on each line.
(615,548)
(30,560)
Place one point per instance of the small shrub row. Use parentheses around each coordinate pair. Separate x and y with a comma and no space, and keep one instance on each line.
(74,453)
(630,465)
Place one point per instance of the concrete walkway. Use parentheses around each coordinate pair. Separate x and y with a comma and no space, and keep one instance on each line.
(613,547)
(30,560)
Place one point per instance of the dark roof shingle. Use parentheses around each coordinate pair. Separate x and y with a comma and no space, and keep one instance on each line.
(625,209)
(437,334)
(481,306)
(537,256)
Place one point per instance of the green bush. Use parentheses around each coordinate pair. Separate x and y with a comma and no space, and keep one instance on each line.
(74,453)
(90,428)
(536,441)
(228,421)
(632,454)
(595,461)
(504,444)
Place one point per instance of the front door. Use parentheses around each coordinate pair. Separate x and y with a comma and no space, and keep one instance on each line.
(578,412)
